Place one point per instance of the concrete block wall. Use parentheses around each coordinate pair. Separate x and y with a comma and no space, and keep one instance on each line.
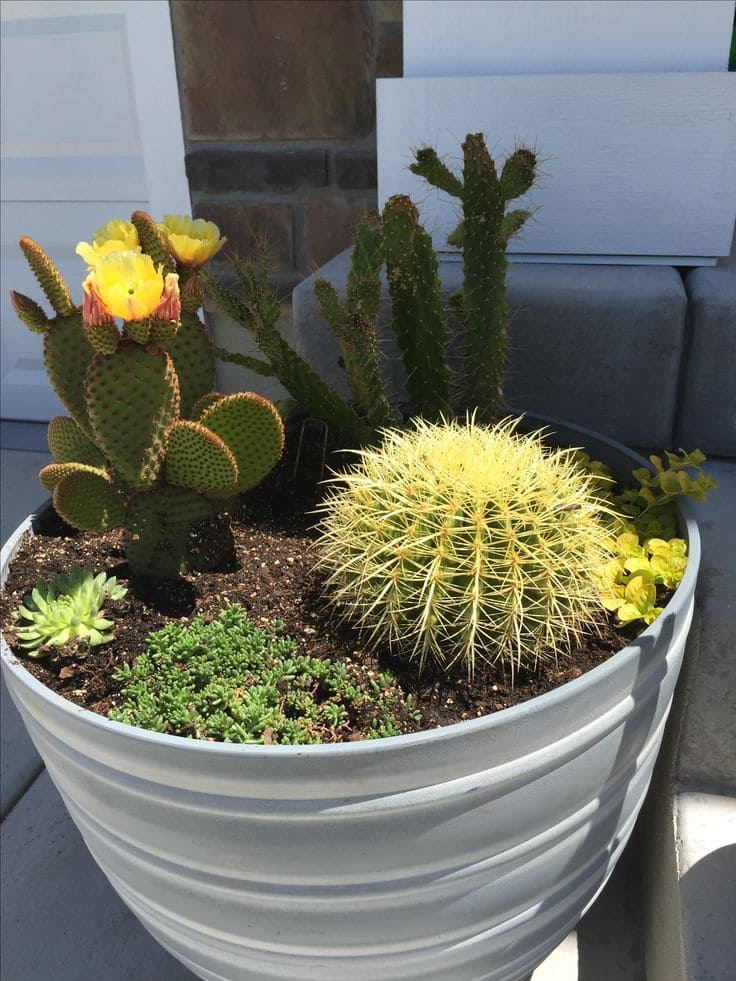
(278,108)
(634,352)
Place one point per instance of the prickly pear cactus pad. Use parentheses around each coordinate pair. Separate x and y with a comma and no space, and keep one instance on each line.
(197,458)
(251,427)
(67,354)
(133,401)
(88,500)
(69,444)
(456,543)
(51,474)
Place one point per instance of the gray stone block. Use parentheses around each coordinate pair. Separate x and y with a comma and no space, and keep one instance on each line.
(707,750)
(61,919)
(596,345)
(20,764)
(708,407)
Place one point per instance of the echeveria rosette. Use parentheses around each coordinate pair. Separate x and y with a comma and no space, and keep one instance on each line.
(67,610)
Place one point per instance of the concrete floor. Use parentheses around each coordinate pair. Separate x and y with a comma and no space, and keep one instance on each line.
(61,920)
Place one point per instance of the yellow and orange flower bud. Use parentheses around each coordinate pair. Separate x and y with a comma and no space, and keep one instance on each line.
(170,306)
(115,236)
(128,285)
(94,311)
(192,241)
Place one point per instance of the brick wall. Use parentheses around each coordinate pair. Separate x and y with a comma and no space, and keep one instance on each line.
(278,105)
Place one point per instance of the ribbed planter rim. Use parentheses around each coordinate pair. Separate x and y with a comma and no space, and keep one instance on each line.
(505,716)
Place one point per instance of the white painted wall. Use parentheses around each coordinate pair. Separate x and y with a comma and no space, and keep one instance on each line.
(91,130)
(519,37)
(629,103)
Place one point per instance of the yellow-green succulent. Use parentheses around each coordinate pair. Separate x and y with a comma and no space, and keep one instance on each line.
(67,610)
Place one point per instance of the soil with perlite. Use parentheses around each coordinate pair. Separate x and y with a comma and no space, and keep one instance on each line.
(273,575)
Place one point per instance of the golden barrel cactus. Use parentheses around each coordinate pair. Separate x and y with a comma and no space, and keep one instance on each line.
(455,543)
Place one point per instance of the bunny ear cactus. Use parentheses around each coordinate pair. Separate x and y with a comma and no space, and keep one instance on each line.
(125,456)
(455,544)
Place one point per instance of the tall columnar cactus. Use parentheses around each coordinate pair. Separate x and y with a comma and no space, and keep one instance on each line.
(398,239)
(126,455)
(354,322)
(418,318)
(458,543)
(484,234)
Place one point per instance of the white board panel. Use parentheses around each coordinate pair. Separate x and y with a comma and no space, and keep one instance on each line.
(632,165)
(520,37)
(84,140)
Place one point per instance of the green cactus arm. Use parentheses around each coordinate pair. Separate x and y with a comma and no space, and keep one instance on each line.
(258,312)
(456,236)
(256,365)
(197,458)
(357,339)
(363,293)
(484,302)
(418,317)
(429,166)
(518,173)
(70,444)
(511,224)
(30,313)
(67,355)
(49,278)
(133,401)
(337,316)
(152,241)
(234,306)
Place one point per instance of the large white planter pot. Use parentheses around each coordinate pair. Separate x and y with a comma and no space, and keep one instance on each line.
(467,852)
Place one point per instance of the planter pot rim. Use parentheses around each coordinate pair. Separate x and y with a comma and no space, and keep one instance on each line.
(526,709)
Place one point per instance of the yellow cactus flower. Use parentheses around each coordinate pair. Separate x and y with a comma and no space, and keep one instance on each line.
(192,241)
(128,285)
(115,236)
